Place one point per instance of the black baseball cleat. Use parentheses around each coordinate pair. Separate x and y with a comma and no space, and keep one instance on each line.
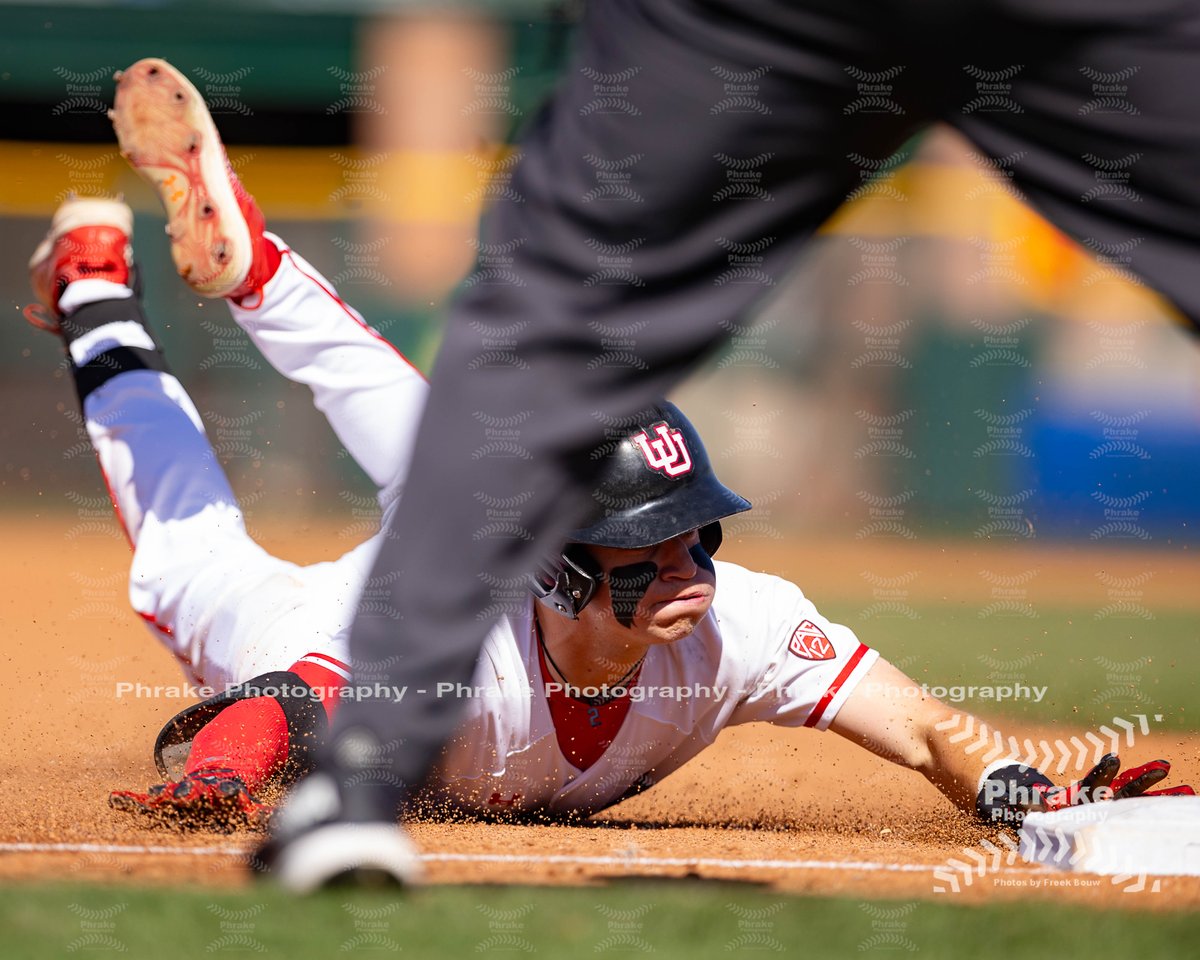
(315,843)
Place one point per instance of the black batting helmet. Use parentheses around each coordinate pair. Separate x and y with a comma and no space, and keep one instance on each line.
(656,483)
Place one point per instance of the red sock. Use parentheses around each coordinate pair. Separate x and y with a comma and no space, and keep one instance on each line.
(250,737)
(271,259)
(265,265)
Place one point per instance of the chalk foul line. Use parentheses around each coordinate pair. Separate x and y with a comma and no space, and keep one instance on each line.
(627,862)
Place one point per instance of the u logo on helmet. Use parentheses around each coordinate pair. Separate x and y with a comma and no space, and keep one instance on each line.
(667,452)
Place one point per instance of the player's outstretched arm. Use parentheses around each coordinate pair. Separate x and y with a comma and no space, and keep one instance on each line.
(890,715)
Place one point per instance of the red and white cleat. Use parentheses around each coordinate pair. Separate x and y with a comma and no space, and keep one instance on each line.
(88,240)
(168,136)
(216,800)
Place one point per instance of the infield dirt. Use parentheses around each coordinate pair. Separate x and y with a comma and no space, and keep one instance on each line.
(759,797)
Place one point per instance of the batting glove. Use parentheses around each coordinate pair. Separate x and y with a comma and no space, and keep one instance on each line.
(1010,792)
(1103,783)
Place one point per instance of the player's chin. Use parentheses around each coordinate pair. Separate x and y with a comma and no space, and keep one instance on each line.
(669,622)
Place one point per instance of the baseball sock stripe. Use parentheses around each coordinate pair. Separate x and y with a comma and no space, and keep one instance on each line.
(102,368)
(106,338)
(329,663)
(121,333)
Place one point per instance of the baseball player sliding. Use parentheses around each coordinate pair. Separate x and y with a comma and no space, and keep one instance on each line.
(630,652)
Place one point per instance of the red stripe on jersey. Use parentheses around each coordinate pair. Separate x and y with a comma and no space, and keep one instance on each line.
(350,313)
(112,497)
(166,631)
(819,710)
(153,621)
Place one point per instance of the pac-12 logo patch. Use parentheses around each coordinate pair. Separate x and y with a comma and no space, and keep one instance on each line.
(667,452)
(809,641)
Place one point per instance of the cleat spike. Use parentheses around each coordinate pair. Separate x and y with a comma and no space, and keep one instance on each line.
(167,134)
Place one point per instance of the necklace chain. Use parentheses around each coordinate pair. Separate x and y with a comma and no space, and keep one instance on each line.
(590,701)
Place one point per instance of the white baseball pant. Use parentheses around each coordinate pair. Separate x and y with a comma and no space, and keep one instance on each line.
(225,607)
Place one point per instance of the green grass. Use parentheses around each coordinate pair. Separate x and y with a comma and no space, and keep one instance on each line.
(1094,668)
(676,919)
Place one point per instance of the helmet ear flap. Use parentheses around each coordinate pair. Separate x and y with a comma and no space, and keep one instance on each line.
(568,586)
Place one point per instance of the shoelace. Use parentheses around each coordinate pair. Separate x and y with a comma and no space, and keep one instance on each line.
(36,315)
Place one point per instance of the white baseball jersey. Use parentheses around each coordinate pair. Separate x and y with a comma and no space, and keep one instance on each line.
(762,653)
(230,611)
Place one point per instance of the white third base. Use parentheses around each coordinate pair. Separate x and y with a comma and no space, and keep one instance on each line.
(1151,835)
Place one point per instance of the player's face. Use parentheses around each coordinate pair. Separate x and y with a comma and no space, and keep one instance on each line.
(670,605)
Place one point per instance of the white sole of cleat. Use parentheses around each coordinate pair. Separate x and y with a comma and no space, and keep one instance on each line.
(343,851)
(167,135)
